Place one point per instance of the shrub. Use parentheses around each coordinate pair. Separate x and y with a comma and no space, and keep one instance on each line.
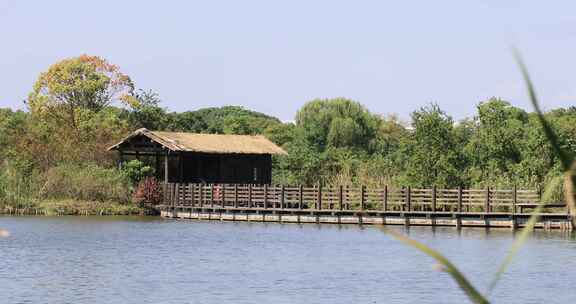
(19,183)
(148,192)
(137,171)
(89,182)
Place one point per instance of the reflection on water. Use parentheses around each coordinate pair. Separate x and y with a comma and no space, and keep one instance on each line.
(151,260)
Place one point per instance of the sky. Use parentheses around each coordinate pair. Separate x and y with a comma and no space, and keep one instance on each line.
(274,56)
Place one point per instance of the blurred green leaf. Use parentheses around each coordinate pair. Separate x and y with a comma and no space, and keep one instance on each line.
(566,157)
(522,237)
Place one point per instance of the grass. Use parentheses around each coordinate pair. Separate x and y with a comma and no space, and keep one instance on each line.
(74,207)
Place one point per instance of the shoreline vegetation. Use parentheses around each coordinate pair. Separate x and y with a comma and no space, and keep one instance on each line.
(332,142)
(72,207)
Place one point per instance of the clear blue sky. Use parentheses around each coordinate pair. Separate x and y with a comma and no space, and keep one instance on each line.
(273,56)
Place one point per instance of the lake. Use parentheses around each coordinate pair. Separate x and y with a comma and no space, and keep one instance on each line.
(152,260)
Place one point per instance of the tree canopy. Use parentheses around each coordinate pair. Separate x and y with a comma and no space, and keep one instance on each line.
(75,85)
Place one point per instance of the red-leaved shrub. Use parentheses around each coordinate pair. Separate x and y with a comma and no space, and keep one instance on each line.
(148,192)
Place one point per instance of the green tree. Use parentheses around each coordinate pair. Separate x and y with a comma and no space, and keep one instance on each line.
(432,151)
(337,123)
(228,119)
(495,148)
(390,133)
(145,110)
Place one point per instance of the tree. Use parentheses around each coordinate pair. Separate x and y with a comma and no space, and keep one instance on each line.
(495,147)
(74,86)
(337,123)
(432,151)
(228,119)
(390,133)
(71,114)
(144,110)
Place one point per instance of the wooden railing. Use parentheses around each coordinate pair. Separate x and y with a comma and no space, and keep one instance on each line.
(350,198)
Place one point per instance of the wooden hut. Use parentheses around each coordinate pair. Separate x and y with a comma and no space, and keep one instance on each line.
(202,158)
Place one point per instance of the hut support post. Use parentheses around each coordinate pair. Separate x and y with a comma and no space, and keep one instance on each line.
(166,173)
(157,165)
(180,167)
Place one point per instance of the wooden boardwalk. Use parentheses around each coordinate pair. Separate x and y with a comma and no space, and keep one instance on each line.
(488,207)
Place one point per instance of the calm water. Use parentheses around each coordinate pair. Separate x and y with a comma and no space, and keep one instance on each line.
(150,260)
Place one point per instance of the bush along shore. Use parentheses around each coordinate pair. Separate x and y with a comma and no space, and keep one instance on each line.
(70,207)
(80,190)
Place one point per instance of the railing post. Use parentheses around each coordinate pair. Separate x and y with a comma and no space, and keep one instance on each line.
(164,193)
(459,199)
(409,199)
(250,196)
(282,197)
(514,199)
(300,197)
(223,196)
(345,199)
(235,195)
(319,199)
(340,198)
(175,200)
(385,199)
(193,194)
(434,198)
(188,194)
(265,196)
(362,198)
(211,195)
(201,194)
(487,203)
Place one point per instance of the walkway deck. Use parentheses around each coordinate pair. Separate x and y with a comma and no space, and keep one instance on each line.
(488,208)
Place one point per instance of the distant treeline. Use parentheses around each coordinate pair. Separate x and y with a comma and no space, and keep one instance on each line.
(82,105)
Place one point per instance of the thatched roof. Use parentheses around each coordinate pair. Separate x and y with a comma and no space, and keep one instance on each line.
(208,143)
